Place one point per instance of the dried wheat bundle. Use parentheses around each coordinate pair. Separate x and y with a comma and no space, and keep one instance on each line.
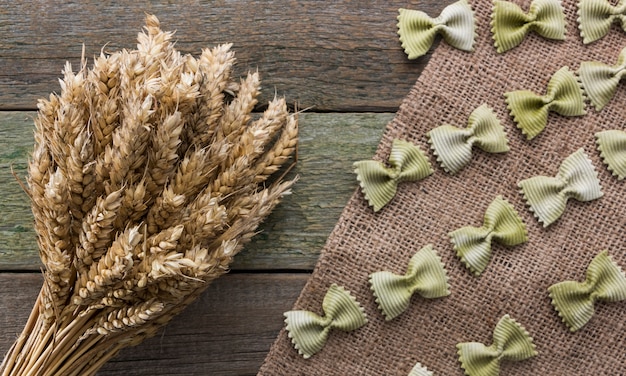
(148,175)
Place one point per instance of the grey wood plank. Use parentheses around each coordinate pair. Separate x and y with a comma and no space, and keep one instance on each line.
(227,331)
(291,237)
(339,55)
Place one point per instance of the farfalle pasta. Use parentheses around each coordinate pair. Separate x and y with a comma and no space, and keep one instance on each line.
(612,147)
(420,370)
(379,183)
(510,24)
(425,275)
(530,111)
(600,80)
(501,223)
(309,331)
(511,342)
(417,30)
(595,18)
(574,301)
(547,196)
(453,146)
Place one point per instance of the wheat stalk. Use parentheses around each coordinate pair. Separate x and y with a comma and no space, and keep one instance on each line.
(147,177)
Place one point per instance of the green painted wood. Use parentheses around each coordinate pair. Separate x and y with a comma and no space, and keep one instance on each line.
(292,236)
(17,238)
(227,331)
(339,55)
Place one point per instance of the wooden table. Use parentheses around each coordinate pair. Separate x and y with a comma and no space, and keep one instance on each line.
(341,59)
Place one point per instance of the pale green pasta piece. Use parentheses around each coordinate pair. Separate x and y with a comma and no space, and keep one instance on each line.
(501,223)
(511,342)
(379,183)
(453,146)
(425,275)
(612,146)
(417,30)
(600,80)
(509,23)
(309,331)
(595,18)
(563,96)
(574,301)
(420,370)
(547,196)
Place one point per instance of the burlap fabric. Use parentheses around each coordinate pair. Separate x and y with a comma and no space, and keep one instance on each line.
(453,84)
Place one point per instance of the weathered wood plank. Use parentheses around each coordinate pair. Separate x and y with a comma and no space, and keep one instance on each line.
(290,239)
(337,55)
(227,331)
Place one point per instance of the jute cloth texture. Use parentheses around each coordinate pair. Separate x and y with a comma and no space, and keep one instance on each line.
(515,282)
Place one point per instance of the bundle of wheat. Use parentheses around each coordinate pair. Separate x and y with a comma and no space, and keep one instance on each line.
(147,176)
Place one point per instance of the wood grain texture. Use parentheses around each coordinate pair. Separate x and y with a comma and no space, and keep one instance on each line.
(292,236)
(339,55)
(227,331)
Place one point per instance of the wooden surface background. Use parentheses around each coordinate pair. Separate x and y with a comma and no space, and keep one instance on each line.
(342,59)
